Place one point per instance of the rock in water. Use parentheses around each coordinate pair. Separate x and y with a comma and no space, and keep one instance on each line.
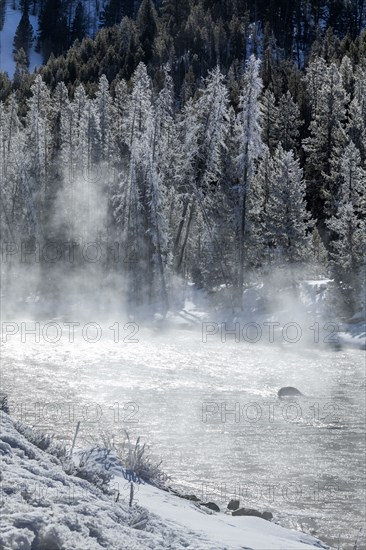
(288,391)
(233,505)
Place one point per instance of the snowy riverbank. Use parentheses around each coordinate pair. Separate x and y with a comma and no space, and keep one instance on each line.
(268,314)
(43,507)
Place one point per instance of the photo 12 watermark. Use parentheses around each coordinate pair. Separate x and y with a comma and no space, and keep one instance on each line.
(71,252)
(51,414)
(271,332)
(53,332)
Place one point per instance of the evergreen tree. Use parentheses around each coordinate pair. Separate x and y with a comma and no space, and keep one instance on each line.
(147,27)
(256,235)
(287,221)
(204,128)
(53,32)
(74,123)
(132,198)
(115,10)
(250,147)
(360,90)
(356,129)
(121,109)
(174,14)
(21,67)
(346,71)
(348,228)
(326,140)
(103,105)
(11,171)
(287,124)
(39,140)
(269,117)
(23,37)
(79,27)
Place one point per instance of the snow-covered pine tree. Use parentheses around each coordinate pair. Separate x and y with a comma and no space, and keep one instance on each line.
(204,129)
(157,156)
(121,108)
(256,236)
(103,105)
(346,72)
(131,200)
(250,147)
(73,130)
(315,78)
(356,128)
(360,89)
(38,148)
(327,139)
(59,103)
(349,230)
(12,166)
(269,118)
(287,123)
(13,213)
(81,155)
(287,221)
(157,232)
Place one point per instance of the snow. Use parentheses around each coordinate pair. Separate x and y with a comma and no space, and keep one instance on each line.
(44,506)
(223,530)
(12,18)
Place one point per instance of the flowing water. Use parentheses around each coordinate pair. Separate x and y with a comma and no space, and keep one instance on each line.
(210,411)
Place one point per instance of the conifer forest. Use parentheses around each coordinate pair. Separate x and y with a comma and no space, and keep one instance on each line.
(211,141)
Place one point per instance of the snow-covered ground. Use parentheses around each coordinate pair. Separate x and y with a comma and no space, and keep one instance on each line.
(12,18)
(44,507)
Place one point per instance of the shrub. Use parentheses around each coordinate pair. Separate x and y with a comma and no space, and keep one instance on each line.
(135,458)
(45,442)
(4,405)
(96,473)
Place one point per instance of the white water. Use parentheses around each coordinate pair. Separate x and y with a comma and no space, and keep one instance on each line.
(304,464)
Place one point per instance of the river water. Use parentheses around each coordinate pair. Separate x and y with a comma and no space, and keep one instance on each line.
(210,411)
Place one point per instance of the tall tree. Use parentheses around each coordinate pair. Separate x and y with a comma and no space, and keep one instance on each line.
(204,127)
(115,10)
(327,138)
(269,118)
(348,227)
(23,37)
(288,122)
(53,32)
(147,27)
(250,147)
(39,141)
(79,26)
(287,221)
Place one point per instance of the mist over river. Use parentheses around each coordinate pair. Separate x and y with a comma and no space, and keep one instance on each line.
(210,411)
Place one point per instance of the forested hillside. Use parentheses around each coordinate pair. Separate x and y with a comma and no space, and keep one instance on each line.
(214,142)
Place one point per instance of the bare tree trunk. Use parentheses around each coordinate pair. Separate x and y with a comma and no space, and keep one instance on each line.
(181,225)
(243,215)
(189,223)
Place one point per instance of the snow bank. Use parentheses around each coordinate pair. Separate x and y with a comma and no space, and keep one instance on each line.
(223,530)
(43,507)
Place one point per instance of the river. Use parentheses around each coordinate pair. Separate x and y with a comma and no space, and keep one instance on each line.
(210,411)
